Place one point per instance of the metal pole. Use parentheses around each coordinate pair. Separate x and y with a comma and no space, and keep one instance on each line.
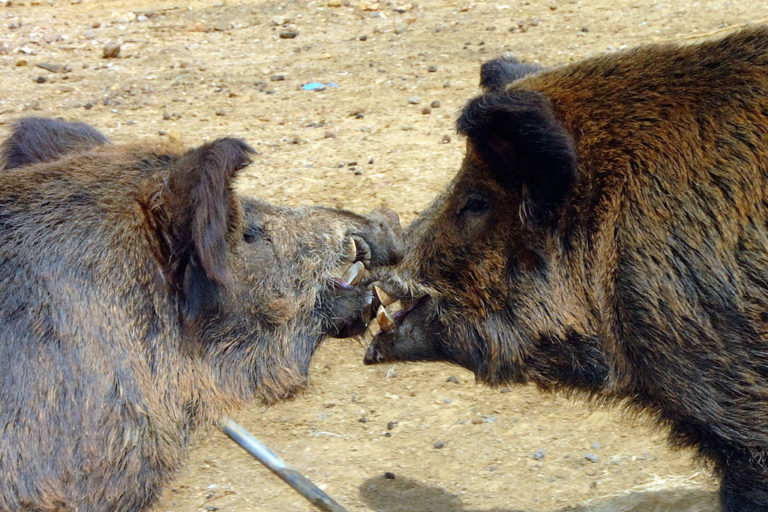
(299,482)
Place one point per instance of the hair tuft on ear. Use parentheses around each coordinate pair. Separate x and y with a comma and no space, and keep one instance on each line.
(497,73)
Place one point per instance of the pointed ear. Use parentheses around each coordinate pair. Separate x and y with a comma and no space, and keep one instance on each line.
(41,139)
(497,73)
(527,149)
(203,215)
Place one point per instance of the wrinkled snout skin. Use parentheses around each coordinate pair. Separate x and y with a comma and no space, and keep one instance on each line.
(140,298)
(607,234)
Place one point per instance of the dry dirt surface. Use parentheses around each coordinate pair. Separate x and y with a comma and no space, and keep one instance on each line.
(380,134)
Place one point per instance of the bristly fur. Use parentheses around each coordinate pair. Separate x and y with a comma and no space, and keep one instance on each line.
(497,73)
(646,284)
(141,298)
(40,139)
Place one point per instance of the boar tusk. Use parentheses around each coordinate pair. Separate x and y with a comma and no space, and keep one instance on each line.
(354,273)
(385,298)
(395,307)
(385,320)
(352,250)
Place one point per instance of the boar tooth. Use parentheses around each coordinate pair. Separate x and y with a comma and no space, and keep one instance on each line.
(385,298)
(371,331)
(354,273)
(395,307)
(386,322)
(352,250)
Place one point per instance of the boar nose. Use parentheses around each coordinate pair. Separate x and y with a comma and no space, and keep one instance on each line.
(384,235)
(372,355)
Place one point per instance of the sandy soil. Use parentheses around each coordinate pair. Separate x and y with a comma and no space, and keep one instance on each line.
(205,68)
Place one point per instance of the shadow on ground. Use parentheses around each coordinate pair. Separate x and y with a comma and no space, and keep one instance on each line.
(407,495)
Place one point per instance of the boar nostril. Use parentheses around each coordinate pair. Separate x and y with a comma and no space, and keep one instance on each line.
(372,356)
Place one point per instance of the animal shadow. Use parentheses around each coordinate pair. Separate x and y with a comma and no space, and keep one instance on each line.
(404,494)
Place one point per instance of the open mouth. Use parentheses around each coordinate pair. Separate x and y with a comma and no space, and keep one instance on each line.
(347,300)
(387,315)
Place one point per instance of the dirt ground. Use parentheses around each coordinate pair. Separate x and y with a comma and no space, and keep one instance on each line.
(202,69)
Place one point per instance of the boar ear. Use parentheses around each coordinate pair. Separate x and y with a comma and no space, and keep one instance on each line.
(497,73)
(202,215)
(41,139)
(527,149)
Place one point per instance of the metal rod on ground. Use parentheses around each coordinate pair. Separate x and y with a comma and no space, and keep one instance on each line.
(299,482)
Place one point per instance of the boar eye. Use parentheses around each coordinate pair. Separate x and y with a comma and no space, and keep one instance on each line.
(253,233)
(474,205)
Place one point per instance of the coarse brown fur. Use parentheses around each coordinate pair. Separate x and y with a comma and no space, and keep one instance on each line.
(141,298)
(607,234)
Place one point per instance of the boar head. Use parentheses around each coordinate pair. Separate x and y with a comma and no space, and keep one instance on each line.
(475,283)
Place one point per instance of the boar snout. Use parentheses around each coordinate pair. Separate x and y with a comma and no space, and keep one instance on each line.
(396,330)
(397,333)
(380,239)
(377,241)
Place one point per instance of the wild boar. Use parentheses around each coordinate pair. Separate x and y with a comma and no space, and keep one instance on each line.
(140,298)
(606,234)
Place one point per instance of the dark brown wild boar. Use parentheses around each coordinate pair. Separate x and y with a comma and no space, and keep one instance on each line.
(607,234)
(141,298)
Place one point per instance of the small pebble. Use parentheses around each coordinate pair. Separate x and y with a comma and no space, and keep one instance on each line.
(432,69)
(389,475)
(591,457)
(111,51)
(438,445)
(41,80)
(329,135)
(53,68)
(477,421)
(446,139)
(363,420)
(289,34)
(426,111)
(277,78)
(391,425)
(539,454)
(414,100)
(21,62)
(453,379)
(595,445)
(363,38)
(435,104)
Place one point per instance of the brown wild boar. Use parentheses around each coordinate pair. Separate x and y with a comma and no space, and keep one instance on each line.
(141,298)
(606,234)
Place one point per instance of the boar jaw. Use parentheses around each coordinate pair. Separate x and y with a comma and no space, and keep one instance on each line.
(398,333)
